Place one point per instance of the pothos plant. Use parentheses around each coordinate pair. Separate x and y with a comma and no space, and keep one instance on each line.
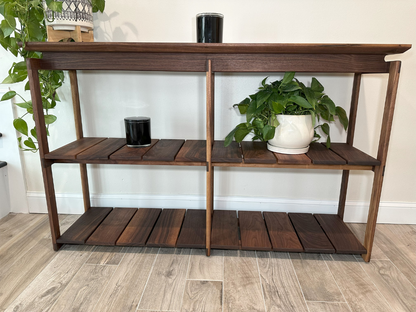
(24,21)
(287,96)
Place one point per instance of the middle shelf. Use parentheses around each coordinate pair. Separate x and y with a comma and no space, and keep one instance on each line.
(93,150)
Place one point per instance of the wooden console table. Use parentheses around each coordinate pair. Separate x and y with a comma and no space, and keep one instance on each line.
(297,232)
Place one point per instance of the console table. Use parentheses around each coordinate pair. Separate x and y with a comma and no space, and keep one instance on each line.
(210,228)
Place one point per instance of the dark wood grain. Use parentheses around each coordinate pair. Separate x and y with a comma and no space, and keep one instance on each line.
(340,235)
(139,228)
(164,150)
(212,48)
(320,155)
(193,150)
(257,153)
(353,156)
(224,232)
(79,232)
(112,226)
(281,232)
(193,230)
(229,154)
(310,233)
(299,159)
(166,231)
(71,150)
(132,153)
(103,149)
(253,231)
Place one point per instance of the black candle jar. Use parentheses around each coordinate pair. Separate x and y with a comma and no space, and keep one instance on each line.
(137,131)
(209,27)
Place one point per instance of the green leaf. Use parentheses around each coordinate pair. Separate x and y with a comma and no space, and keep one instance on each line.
(21,66)
(342,115)
(268,132)
(9,95)
(27,86)
(55,6)
(20,125)
(25,105)
(325,128)
(329,104)
(242,108)
(313,118)
(300,101)
(98,5)
(262,97)
(29,143)
(8,80)
(241,133)
(316,85)
(328,142)
(263,83)
(258,123)
(34,28)
(251,110)
(310,96)
(273,121)
(49,119)
(278,108)
(229,137)
(6,26)
(33,133)
(288,77)
(290,87)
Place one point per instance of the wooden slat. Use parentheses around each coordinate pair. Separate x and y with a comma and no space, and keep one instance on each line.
(253,231)
(193,150)
(320,155)
(281,232)
(112,226)
(310,233)
(103,149)
(164,150)
(286,159)
(193,230)
(224,233)
(340,235)
(71,150)
(138,230)
(79,232)
(132,153)
(257,153)
(229,154)
(166,231)
(353,156)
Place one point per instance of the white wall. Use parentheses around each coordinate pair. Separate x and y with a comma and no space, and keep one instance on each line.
(175,102)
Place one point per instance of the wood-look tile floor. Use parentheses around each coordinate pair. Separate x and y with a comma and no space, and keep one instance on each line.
(86,278)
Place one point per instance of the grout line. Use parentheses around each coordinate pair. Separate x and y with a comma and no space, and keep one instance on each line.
(150,273)
(203,280)
(326,301)
(184,287)
(296,275)
(261,284)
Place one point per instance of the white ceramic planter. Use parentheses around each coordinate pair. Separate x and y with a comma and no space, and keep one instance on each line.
(74,13)
(293,135)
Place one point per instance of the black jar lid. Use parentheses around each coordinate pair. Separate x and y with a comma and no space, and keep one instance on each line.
(138,119)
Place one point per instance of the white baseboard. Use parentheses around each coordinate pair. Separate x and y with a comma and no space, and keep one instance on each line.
(390,212)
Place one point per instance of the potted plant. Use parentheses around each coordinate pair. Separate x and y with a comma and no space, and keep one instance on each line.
(24,21)
(284,113)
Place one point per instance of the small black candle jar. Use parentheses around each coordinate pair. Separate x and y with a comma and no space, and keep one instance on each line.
(137,131)
(209,27)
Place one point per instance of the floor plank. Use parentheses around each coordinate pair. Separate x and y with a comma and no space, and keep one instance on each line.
(15,225)
(202,296)
(46,288)
(193,230)
(224,233)
(311,271)
(167,228)
(328,307)
(253,231)
(357,288)
(282,234)
(392,284)
(202,267)
(106,255)
(280,285)
(165,287)
(84,290)
(126,286)
(241,269)
(138,230)
(310,233)
(110,229)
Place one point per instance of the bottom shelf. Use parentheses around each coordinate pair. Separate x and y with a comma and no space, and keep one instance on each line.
(251,230)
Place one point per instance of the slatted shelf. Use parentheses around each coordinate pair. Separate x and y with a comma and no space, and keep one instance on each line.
(287,159)
(132,153)
(193,150)
(320,155)
(103,149)
(257,153)
(278,231)
(164,150)
(229,154)
(193,230)
(353,156)
(71,150)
